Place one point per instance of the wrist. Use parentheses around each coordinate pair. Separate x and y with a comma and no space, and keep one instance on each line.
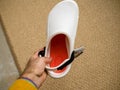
(32,78)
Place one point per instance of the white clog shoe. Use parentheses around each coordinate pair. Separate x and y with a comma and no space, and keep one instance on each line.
(61,33)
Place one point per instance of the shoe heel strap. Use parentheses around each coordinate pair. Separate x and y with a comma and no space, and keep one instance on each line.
(68,62)
(74,54)
(42,53)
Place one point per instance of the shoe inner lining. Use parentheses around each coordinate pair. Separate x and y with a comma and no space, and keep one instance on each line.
(58,51)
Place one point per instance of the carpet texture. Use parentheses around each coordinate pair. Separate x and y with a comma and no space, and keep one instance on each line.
(98,68)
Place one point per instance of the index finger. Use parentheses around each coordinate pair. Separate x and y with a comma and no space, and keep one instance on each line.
(36,53)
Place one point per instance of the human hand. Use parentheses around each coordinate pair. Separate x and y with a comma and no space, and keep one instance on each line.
(35,69)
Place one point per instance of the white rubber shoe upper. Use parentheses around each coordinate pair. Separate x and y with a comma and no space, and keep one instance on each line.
(63,19)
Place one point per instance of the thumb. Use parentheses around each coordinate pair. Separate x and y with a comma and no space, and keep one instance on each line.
(47,60)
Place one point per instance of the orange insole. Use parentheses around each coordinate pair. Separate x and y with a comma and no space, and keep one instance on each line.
(58,51)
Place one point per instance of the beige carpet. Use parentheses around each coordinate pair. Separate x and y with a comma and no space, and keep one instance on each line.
(98,68)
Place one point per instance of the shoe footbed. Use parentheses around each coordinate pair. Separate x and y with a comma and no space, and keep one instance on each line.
(58,51)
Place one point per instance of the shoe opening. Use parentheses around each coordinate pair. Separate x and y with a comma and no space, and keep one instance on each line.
(58,51)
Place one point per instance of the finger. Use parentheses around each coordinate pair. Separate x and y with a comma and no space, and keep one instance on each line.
(43,78)
(47,60)
(36,53)
(42,62)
